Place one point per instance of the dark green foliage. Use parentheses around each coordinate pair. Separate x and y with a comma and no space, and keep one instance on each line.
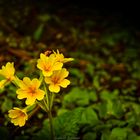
(66,126)
(103,99)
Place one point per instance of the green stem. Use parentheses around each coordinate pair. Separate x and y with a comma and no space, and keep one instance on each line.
(51,125)
(50,95)
(48,102)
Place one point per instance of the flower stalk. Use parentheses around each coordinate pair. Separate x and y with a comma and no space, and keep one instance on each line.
(50,95)
(38,92)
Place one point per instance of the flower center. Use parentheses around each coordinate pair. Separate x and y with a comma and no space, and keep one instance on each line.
(19,114)
(32,90)
(47,68)
(55,80)
(22,114)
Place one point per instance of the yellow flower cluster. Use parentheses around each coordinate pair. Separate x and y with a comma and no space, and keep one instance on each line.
(51,67)
(54,77)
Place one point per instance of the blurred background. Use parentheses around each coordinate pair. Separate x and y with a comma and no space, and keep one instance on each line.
(103,100)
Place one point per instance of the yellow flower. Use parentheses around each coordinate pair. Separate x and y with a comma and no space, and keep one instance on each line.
(58,80)
(7,74)
(60,57)
(48,64)
(18,116)
(30,89)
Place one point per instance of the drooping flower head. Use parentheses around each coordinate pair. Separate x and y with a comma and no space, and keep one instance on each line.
(29,89)
(60,57)
(48,64)
(57,80)
(18,116)
(7,73)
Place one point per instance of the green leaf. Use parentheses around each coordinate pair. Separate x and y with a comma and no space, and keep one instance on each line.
(114,107)
(105,135)
(90,69)
(44,18)
(102,108)
(77,96)
(78,74)
(133,136)
(61,111)
(107,95)
(38,32)
(93,95)
(96,82)
(89,136)
(89,116)
(119,134)
(66,126)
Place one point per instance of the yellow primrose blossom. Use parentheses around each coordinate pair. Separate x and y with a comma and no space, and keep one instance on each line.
(7,73)
(58,80)
(30,89)
(18,116)
(60,57)
(48,64)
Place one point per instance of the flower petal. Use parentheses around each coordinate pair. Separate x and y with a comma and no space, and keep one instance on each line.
(40,94)
(36,83)
(18,116)
(47,73)
(21,94)
(8,71)
(48,80)
(54,88)
(67,60)
(21,121)
(27,81)
(57,66)
(64,83)
(42,61)
(10,67)
(64,73)
(30,100)
(2,83)
(12,113)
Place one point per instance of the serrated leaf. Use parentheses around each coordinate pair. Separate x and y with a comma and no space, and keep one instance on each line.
(107,95)
(77,96)
(114,107)
(66,126)
(89,116)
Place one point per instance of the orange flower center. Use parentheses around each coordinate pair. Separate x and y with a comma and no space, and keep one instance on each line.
(47,68)
(20,114)
(32,90)
(56,80)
